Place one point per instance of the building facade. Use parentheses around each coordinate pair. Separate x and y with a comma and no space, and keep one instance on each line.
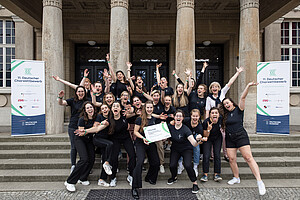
(71,35)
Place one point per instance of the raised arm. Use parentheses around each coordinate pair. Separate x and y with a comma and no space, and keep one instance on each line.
(107,84)
(60,97)
(113,75)
(85,75)
(177,77)
(244,95)
(93,95)
(199,81)
(129,65)
(71,85)
(234,77)
(144,93)
(157,73)
(189,90)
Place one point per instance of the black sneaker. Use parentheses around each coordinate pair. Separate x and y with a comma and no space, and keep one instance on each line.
(195,189)
(172,180)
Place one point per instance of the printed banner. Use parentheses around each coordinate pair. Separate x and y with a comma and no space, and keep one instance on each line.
(27,97)
(273,93)
(157,132)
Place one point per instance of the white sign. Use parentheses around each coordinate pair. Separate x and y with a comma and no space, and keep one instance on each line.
(27,97)
(273,93)
(157,132)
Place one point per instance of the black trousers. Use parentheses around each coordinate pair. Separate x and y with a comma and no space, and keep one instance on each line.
(217,144)
(187,162)
(106,147)
(86,151)
(128,145)
(151,150)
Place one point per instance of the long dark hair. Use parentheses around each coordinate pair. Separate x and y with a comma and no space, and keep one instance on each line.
(124,77)
(84,113)
(112,122)
(143,87)
(225,112)
(144,116)
(76,97)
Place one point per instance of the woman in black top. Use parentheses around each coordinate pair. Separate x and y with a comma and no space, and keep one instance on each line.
(76,105)
(182,145)
(180,99)
(142,146)
(237,138)
(211,127)
(120,135)
(85,147)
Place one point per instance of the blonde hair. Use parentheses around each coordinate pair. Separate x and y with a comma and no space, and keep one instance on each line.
(182,101)
(212,84)
(155,91)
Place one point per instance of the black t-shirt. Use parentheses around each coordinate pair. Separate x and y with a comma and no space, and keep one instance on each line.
(234,122)
(168,91)
(120,87)
(196,103)
(120,130)
(104,132)
(75,111)
(215,131)
(197,129)
(140,96)
(86,125)
(151,122)
(179,138)
(171,110)
(158,108)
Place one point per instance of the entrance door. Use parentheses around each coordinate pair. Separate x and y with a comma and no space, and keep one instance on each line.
(213,54)
(91,58)
(144,60)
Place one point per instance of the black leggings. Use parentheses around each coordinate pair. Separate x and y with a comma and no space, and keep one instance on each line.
(152,155)
(106,147)
(217,144)
(187,163)
(128,145)
(86,151)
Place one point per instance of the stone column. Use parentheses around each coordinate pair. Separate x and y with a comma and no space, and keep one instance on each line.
(38,43)
(273,41)
(52,54)
(172,52)
(119,35)
(24,39)
(185,37)
(248,57)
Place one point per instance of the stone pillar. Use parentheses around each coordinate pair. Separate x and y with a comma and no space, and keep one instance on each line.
(119,35)
(172,52)
(185,37)
(248,57)
(24,39)
(52,54)
(38,43)
(273,41)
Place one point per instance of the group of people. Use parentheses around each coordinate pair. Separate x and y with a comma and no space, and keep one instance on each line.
(108,115)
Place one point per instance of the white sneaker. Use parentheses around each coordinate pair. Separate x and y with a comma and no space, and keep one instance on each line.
(72,168)
(162,169)
(107,168)
(196,171)
(261,188)
(83,182)
(129,179)
(180,169)
(70,187)
(168,148)
(102,183)
(113,182)
(234,180)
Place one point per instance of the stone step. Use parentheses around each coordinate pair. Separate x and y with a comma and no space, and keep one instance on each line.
(50,175)
(65,153)
(66,145)
(8,164)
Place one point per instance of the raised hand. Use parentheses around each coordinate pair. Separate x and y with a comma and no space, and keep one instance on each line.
(188,72)
(56,78)
(105,73)
(86,73)
(209,126)
(158,65)
(205,64)
(129,65)
(173,72)
(107,57)
(252,84)
(239,69)
(61,94)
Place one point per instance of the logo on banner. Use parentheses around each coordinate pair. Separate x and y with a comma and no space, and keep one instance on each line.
(28,71)
(272,72)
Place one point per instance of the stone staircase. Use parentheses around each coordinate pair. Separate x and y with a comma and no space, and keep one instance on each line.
(46,159)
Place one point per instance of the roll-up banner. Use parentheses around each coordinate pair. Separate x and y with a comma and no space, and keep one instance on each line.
(27,97)
(273,93)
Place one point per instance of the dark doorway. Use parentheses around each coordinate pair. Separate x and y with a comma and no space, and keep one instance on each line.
(214,55)
(91,58)
(144,59)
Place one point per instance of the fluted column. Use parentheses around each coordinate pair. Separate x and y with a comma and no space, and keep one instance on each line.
(38,43)
(249,56)
(52,54)
(119,34)
(185,37)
